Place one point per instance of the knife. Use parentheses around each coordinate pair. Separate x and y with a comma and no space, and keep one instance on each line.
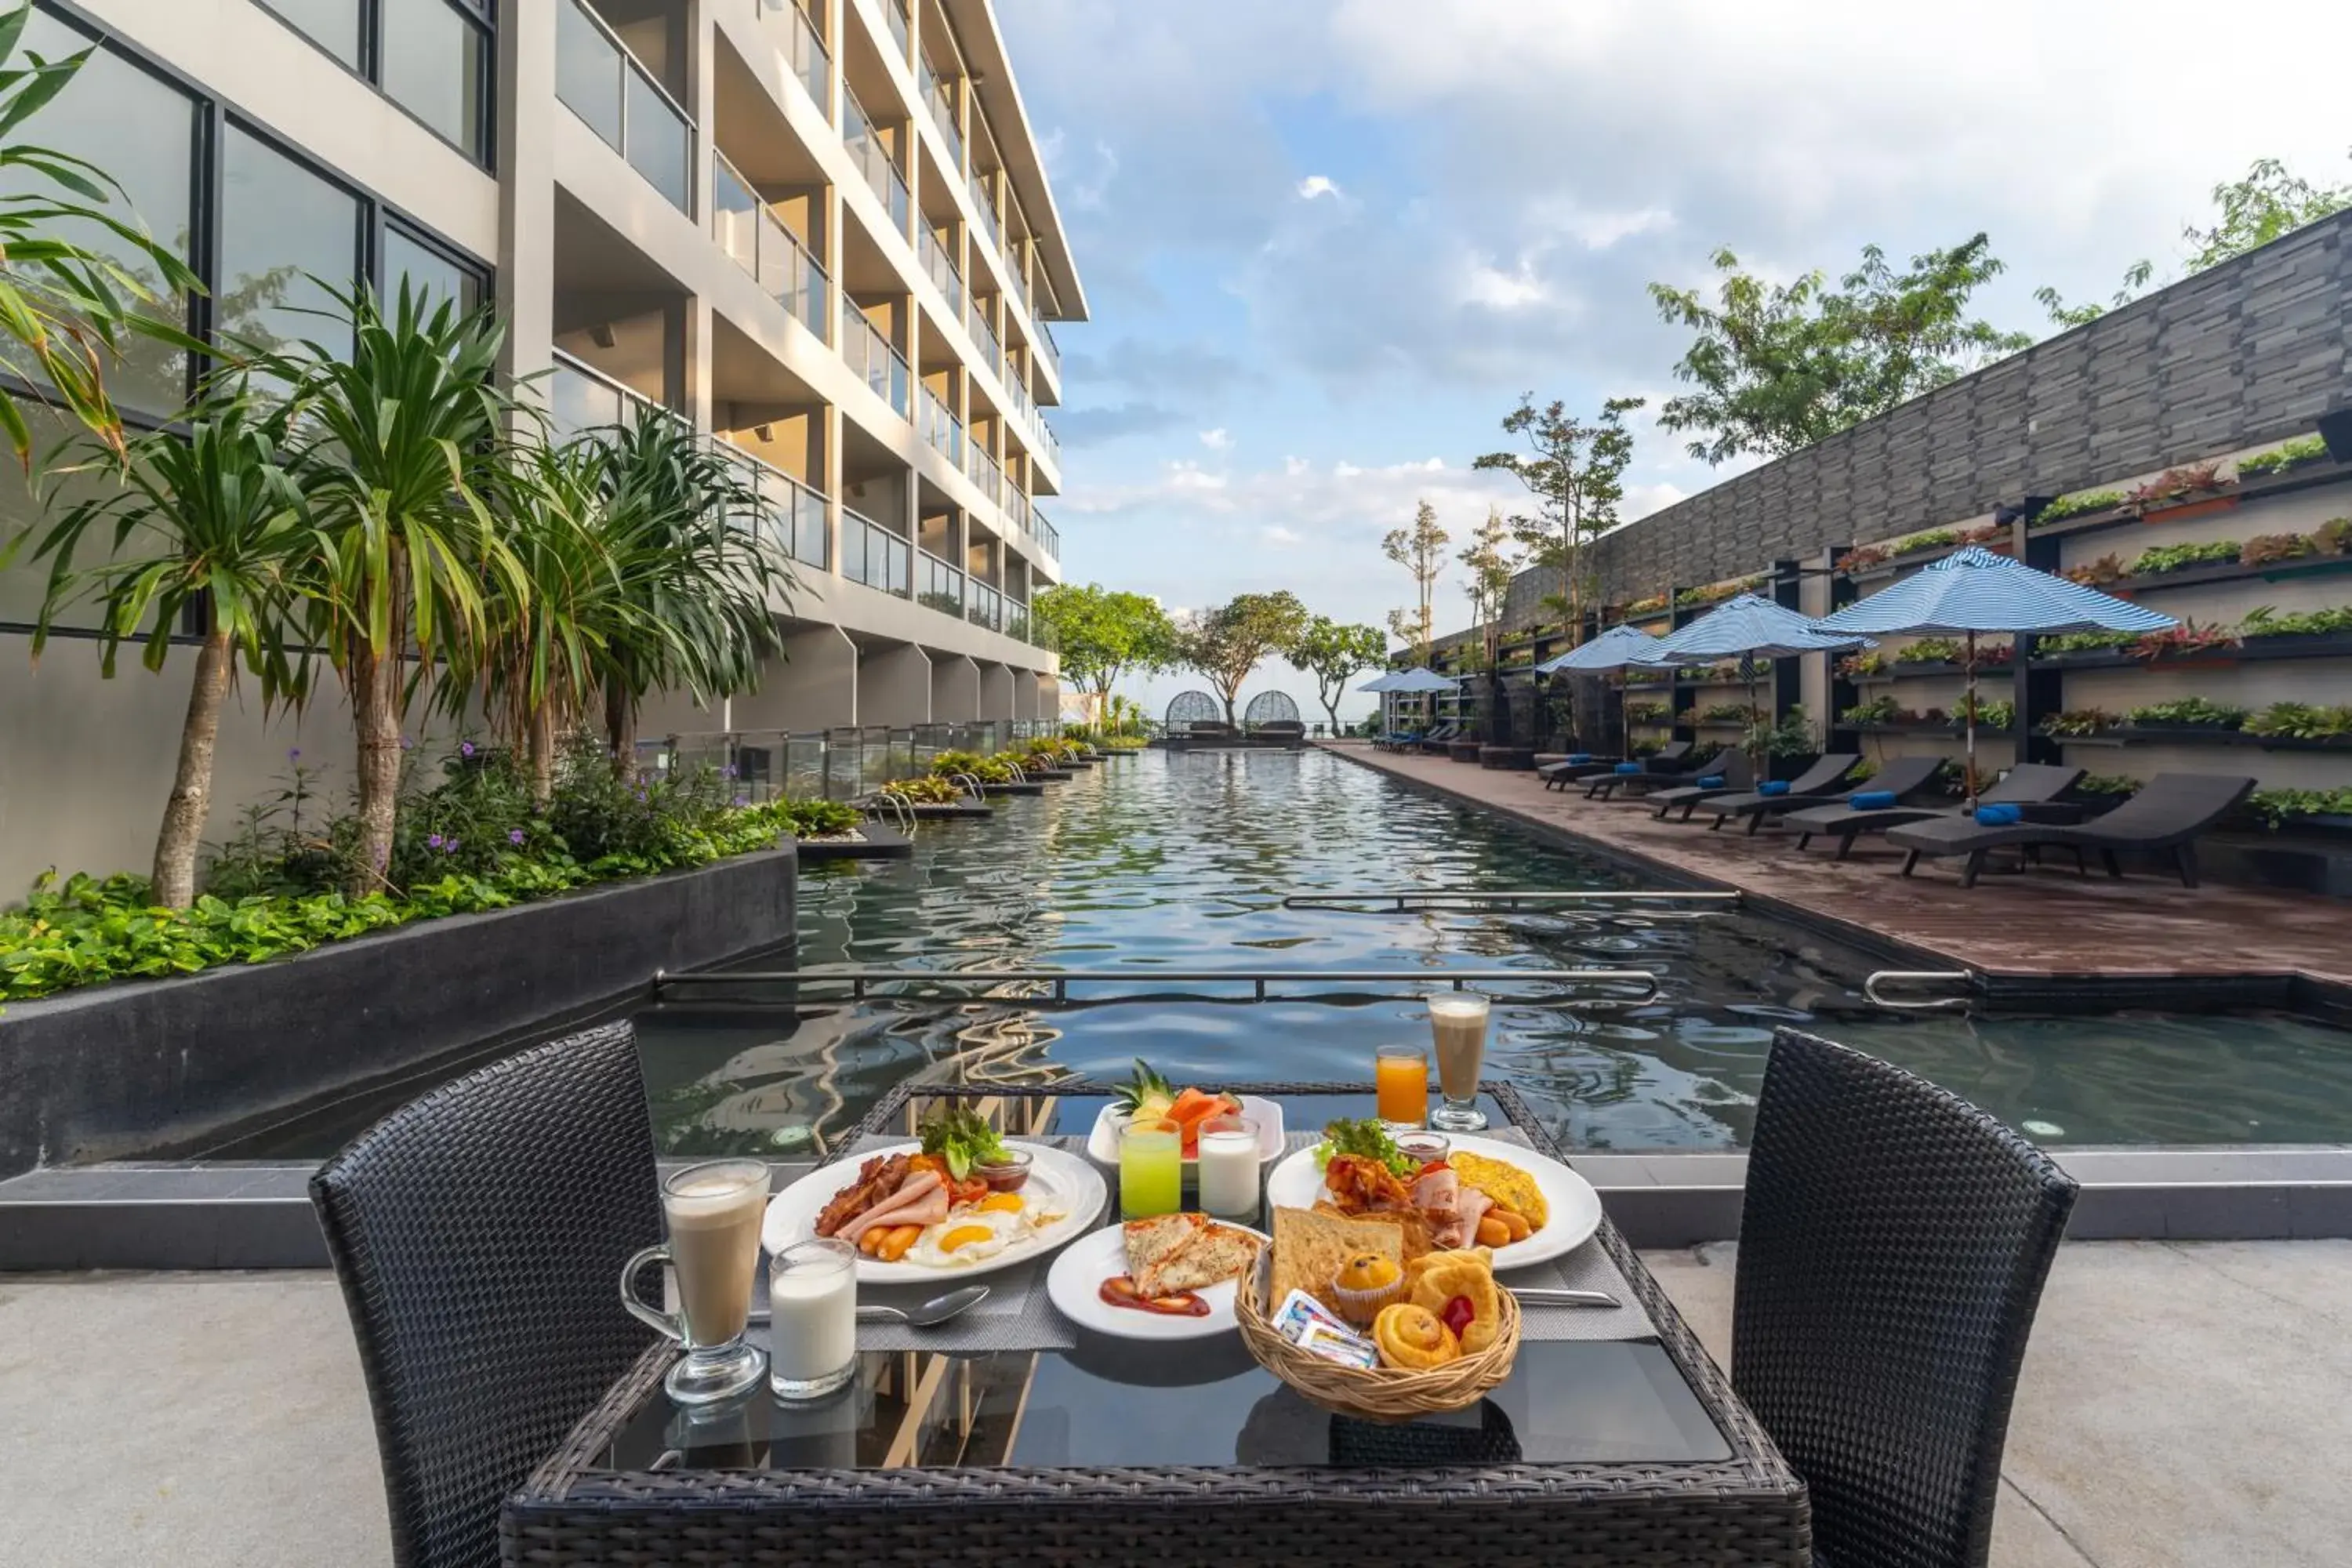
(1545,1297)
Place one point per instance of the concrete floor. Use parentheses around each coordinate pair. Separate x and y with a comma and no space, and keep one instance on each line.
(2182,1404)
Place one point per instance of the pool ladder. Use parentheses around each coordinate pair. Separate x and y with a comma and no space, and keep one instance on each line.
(1695,904)
(1870,988)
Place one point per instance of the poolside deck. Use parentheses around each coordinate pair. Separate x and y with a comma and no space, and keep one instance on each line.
(2036,925)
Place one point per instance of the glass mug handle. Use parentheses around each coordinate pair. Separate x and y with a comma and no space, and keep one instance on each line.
(669,1325)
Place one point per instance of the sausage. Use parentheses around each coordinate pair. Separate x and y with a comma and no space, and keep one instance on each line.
(1492,1232)
(894,1246)
(1515,1222)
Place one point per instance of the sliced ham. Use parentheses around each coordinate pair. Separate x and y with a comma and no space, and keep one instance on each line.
(922,1199)
(1451,1209)
(1474,1207)
(1437,1191)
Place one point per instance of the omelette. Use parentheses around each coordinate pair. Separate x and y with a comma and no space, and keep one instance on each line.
(1508,1186)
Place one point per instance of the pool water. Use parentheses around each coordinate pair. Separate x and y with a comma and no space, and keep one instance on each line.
(1183,860)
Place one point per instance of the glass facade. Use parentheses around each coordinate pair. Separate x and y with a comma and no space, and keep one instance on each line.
(333,24)
(286,237)
(434,62)
(427,271)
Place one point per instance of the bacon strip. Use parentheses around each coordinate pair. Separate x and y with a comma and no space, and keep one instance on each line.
(877,1179)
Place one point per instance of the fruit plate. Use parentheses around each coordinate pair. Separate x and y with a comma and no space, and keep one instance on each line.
(1060,1178)
(1297,1183)
(1102,1142)
(1074,1284)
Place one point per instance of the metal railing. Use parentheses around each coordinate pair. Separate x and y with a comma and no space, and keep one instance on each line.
(749,231)
(582,397)
(1048,537)
(873,555)
(876,359)
(983,333)
(843,763)
(1052,349)
(894,14)
(602,82)
(984,607)
(873,160)
(977,185)
(938,584)
(943,270)
(1407,900)
(791,512)
(985,472)
(942,428)
(1639,984)
(804,52)
(940,101)
(1870,988)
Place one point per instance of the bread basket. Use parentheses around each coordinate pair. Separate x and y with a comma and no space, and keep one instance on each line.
(1377,1394)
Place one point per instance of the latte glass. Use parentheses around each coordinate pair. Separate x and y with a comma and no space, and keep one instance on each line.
(1458,1021)
(713,1214)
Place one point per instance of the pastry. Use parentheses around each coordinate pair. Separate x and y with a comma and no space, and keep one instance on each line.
(1309,1248)
(1412,1338)
(1367,1282)
(1461,1276)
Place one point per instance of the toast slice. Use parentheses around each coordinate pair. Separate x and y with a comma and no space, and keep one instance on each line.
(1150,1241)
(1213,1254)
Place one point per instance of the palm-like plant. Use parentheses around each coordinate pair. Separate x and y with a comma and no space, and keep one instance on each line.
(207,523)
(65,306)
(705,589)
(399,447)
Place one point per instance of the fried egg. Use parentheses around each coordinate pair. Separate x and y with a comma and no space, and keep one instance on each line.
(968,1235)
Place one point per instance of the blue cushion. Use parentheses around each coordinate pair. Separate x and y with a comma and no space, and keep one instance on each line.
(1712,781)
(1871,799)
(1580,756)
(1777,786)
(1629,767)
(1999,816)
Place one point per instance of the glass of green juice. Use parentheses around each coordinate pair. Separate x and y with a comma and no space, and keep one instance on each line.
(1150,1168)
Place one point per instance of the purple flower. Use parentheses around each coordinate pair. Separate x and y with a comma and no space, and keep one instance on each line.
(293,754)
(641,798)
(728,771)
(407,744)
(452,846)
(514,835)
(465,747)
(433,841)
(742,800)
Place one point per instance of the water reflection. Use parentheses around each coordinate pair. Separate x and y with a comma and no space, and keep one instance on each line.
(1184,861)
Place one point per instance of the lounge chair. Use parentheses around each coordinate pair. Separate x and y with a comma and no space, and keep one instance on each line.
(1738,777)
(1666,759)
(2027,784)
(1814,785)
(2168,815)
(1438,739)
(1559,775)
(1639,786)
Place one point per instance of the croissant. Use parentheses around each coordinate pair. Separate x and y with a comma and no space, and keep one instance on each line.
(1469,1275)
(1412,1338)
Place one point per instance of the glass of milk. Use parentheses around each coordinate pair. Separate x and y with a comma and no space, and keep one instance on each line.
(1458,1019)
(1229,1167)
(812,1318)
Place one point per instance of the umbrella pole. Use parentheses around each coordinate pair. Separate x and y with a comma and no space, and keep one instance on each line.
(1971,747)
(1756,761)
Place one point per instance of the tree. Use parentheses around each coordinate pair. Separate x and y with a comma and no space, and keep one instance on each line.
(1576,473)
(1333,654)
(65,306)
(1780,367)
(2268,202)
(1420,550)
(400,453)
(1103,634)
(1228,642)
(205,524)
(702,598)
(1491,569)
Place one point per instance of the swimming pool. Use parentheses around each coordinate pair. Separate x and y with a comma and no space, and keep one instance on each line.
(1183,861)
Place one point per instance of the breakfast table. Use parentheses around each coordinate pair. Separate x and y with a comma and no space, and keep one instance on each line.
(1011,1437)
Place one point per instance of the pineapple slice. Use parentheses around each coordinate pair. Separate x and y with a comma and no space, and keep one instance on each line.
(1147,1095)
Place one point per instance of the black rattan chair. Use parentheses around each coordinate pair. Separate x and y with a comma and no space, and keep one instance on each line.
(1892,1246)
(479,1234)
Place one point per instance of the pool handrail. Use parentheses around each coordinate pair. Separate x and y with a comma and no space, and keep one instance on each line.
(860,979)
(1404,900)
(1918,977)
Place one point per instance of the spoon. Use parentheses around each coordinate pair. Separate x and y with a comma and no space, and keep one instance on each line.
(929,1315)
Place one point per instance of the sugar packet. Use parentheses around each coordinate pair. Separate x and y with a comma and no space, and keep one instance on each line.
(1339,1345)
(1299,1310)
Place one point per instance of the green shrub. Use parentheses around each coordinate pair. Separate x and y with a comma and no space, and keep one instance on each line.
(1931,650)
(2305,449)
(2277,807)
(2196,710)
(2265,548)
(1727,713)
(2000,714)
(2084,642)
(2078,722)
(1877,710)
(2157,560)
(2079,505)
(2300,722)
(1647,712)
(2106,784)
(2266,622)
(1932,539)
(930,790)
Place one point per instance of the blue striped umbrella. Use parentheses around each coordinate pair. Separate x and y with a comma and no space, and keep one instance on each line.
(1407,682)
(1612,649)
(1973,590)
(1749,627)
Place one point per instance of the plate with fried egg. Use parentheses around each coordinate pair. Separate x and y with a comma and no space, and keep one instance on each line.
(915,1223)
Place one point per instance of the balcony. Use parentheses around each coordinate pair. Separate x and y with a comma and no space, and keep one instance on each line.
(991,351)
(805,50)
(939,586)
(874,557)
(580,399)
(1047,538)
(985,472)
(989,222)
(894,12)
(873,160)
(747,230)
(942,428)
(984,607)
(941,269)
(941,103)
(600,81)
(789,512)
(1047,346)
(877,359)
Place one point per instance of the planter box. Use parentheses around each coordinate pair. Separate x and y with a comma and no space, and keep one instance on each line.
(1462,751)
(2181,511)
(876,843)
(116,1070)
(2315,644)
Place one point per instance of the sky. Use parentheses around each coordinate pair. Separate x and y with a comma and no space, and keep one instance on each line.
(1328,244)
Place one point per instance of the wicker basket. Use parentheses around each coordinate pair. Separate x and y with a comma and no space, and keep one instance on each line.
(1380,1393)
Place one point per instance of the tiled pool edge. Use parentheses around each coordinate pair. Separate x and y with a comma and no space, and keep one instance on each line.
(258,1217)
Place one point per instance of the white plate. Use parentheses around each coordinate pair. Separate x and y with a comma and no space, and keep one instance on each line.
(1074,1186)
(1077,1275)
(1102,1143)
(1575,1207)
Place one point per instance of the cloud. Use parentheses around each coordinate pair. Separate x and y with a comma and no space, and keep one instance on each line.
(1315,186)
(1217,440)
(1097,427)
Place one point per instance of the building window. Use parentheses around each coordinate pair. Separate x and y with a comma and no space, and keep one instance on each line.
(432,57)
(427,270)
(142,131)
(287,236)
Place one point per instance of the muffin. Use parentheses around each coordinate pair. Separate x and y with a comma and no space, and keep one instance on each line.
(1367,1282)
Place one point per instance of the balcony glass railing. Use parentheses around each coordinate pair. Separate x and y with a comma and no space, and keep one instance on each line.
(873,160)
(748,230)
(894,12)
(602,82)
(941,103)
(876,358)
(804,50)
(1051,350)
(874,557)
(991,351)
(1017,509)
(988,223)
(579,398)
(984,607)
(940,267)
(986,473)
(942,428)
(939,585)
(1047,538)
(789,512)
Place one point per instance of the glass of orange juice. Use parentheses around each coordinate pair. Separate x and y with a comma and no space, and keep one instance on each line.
(1401,1084)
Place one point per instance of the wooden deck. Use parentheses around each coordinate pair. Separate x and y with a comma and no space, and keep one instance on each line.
(2037,924)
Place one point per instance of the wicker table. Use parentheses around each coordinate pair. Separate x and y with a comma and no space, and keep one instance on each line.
(1606,1452)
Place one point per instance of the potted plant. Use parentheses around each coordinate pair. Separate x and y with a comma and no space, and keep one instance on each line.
(2327,811)
(1786,746)
(2083,504)
(2076,723)
(2264,549)
(2264,628)
(2299,453)
(2079,648)
(1928,653)
(1879,710)
(2108,568)
(1920,544)
(2182,644)
(2185,492)
(1861,559)
(2187,714)
(2163,560)
(2099,794)
(2305,722)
